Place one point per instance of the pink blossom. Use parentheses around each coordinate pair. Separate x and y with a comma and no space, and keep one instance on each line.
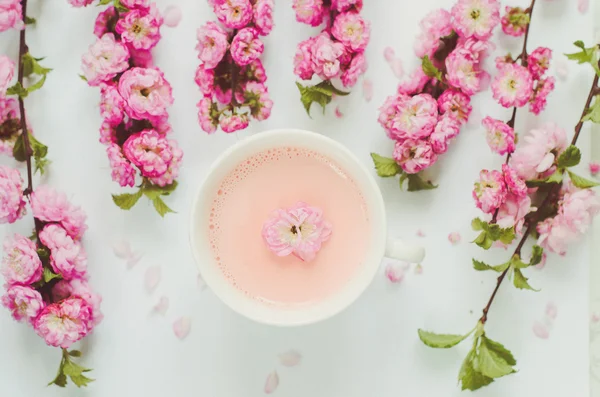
(234,14)
(263,16)
(104,60)
(149,151)
(463,72)
(502,61)
(7,71)
(539,61)
(395,271)
(326,56)
(67,257)
(77,288)
(48,205)
(234,122)
(111,105)
(357,67)
(172,16)
(12,203)
(141,58)
(414,83)
(352,30)
(212,44)
(146,93)
(476,18)
(445,130)
(513,86)
(131,4)
(499,135)
(122,171)
(310,12)
(414,155)
(256,71)
(64,323)
(206,115)
(173,171)
(454,238)
(437,23)
(108,132)
(513,210)
(140,28)
(246,46)
(426,45)
(456,104)
(21,263)
(256,96)
(205,79)
(542,89)
(344,5)
(303,60)
(11,15)
(24,303)
(515,21)
(555,235)
(300,230)
(490,191)
(223,97)
(415,116)
(102,20)
(80,3)
(594,168)
(578,208)
(514,183)
(538,151)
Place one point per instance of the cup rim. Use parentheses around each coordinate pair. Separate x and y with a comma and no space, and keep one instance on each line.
(376,208)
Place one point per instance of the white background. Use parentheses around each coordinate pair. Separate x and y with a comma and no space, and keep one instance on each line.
(371,349)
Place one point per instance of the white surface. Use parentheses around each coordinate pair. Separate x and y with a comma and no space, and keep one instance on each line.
(371,349)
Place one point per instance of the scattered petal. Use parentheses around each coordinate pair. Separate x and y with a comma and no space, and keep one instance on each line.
(182,326)
(338,112)
(595,318)
(122,249)
(419,269)
(583,6)
(389,54)
(367,90)
(172,16)
(152,278)
(594,168)
(542,262)
(201,283)
(454,238)
(291,358)
(551,310)
(420,233)
(397,68)
(395,271)
(162,305)
(133,259)
(562,68)
(272,382)
(540,330)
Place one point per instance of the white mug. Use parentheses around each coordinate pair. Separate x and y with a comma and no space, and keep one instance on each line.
(290,316)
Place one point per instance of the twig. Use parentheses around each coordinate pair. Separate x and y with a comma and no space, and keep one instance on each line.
(28,149)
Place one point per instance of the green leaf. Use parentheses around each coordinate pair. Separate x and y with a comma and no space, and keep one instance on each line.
(39,84)
(82,77)
(477,224)
(469,377)
(39,149)
(104,2)
(556,177)
(29,20)
(593,112)
(43,253)
(161,207)
(536,255)
(481,266)
(19,152)
(484,240)
(385,166)
(17,89)
(507,235)
(40,165)
(75,372)
(517,263)
(32,66)
(81,380)
(429,68)
(120,7)
(416,183)
(520,281)
(579,181)
(152,191)
(321,93)
(75,353)
(492,359)
(126,201)
(403,177)
(441,341)
(326,87)
(49,275)
(586,55)
(60,380)
(570,157)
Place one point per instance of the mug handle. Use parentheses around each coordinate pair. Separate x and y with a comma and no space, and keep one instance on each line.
(398,249)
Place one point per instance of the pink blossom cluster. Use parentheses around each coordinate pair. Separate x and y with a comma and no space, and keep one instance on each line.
(300,230)
(432,105)
(11,15)
(46,275)
(339,50)
(10,119)
(231,75)
(135,95)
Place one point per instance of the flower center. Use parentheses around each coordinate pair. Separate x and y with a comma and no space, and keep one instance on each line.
(145,92)
(475,14)
(136,28)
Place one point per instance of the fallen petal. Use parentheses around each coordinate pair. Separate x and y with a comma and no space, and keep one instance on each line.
(122,249)
(152,278)
(454,238)
(272,382)
(420,233)
(162,305)
(291,358)
(540,330)
(583,6)
(338,112)
(395,271)
(594,168)
(133,259)
(595,318)
(551,310)
(562,68)
(172,16)
(182,326)
(389,54)
(397,68)
(367,90)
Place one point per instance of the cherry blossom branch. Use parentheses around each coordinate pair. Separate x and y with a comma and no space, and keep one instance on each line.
(28,149)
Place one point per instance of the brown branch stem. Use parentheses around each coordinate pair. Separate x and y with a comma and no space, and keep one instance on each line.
(28,149)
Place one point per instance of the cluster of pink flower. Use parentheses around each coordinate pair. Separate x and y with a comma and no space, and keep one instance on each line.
(11,15)
(46,277)
(431,106)
(338,51)
(134,93)
(10,119)
(231,76)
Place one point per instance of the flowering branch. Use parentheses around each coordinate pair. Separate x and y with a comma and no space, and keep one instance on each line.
(45,274)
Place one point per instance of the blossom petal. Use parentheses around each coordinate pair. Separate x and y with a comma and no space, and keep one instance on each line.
(291,358)
(583,6)
(367,90)
(338,112)
(162,305)
(389,54)
(551,310)
(272,382)
(540,330)
(454,238)
(397,68)
(122,249)
(152,278)
(182,326)
(172,16)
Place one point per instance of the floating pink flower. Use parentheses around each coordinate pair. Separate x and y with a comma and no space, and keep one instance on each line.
(539,98)
(12,203)
(303,60)
(11,15)
(446,129)
(21,263)
(499,135)
(24,303)
(300,230)
(263,16)
(357,67)
(515,21)
(105,59)
(122,171)
(513,86)
(351,30)
(64,323)
(246,46)
(414,155)
(77,288)
(310,12)
(7,71)
(140,28)
(456,104)
(212,44)
(67,257)
(490,191)
(326,56)
(234,122)
(146,93)
(538,61)
(538,151)
(48,205)
(234,14)
(476,18)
